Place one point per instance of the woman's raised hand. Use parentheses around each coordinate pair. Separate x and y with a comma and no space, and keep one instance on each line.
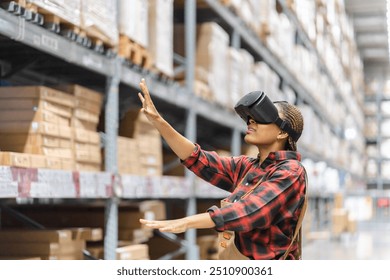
(147,104)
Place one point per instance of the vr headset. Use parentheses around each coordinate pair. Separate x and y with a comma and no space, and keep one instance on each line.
(257,106)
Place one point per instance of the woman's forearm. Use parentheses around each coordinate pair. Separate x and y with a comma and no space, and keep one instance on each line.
(181,225)
(179,144)
(202,220)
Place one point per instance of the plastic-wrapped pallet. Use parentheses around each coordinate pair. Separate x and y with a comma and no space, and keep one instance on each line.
(211,53)
(68,10)
(161,35)
(99,19)
(234,62)
(133,20)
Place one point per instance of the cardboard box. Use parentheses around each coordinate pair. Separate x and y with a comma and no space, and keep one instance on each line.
(21,140)
(37,92)
(41,248)
(83,93)
(133,252)
(53,162)
(37,161)
(135,123)
(35,236)
(33,110)
(135,235)
(14,159)
(44,128)
(87,233)
(154,209)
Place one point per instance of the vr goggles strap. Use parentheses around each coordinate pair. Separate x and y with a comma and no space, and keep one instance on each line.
(287,128)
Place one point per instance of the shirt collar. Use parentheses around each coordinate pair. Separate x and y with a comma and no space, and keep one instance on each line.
(278,156)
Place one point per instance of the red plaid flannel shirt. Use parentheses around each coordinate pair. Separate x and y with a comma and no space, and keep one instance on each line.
(265,220)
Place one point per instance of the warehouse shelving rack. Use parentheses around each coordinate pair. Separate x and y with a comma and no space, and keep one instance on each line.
(379,183)
(114,74)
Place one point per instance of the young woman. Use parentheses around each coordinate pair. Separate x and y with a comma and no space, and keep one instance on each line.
(259,220)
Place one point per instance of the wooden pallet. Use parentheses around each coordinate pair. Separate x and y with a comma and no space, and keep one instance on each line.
(134,52)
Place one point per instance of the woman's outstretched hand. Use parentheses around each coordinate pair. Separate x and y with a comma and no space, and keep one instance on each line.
(174,226)
(147,104)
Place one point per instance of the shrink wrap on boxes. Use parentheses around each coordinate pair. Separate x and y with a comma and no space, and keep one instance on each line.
(99,19)
(68,10)
(133,20)
(212,48)
(160,41)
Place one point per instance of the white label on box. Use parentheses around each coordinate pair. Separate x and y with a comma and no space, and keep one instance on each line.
(5,174)
(8,189)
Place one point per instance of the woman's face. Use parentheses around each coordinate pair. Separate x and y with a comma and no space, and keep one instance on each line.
(261,134)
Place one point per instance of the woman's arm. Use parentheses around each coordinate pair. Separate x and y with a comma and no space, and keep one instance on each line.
(181,225)
(180,145)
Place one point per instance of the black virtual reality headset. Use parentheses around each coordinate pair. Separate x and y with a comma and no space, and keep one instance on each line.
(257,106)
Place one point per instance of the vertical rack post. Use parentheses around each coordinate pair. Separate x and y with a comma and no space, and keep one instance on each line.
(190,132)
(236,135)
(379,119)
(111,129)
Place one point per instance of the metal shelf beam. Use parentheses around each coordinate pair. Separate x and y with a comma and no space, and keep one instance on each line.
(18,29)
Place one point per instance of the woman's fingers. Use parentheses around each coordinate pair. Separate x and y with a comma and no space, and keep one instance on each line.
(144,88)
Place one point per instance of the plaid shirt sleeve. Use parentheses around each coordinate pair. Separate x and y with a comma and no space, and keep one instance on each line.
(277,196)
(222,172)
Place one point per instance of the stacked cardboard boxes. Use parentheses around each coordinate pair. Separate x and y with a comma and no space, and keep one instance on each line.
(36,120)
(43,127)
(42,244)
(84,121)
(146,144)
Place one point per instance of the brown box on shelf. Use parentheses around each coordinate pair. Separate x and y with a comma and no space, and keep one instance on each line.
(44,115)
(156,208)
(44,128)
(80,124)
(15,159)
(87,233)
(37,161)
(133,252)
(138,235)
(47,151)
(86,166)
(86,136)
(22,141)
(67,164)
(38,92)
(53,162)
(130,219)
(35,236)
(83,93)
(18,248)
(86,116)
(134,123)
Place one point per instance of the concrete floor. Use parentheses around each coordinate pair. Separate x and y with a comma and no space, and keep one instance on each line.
(371,241)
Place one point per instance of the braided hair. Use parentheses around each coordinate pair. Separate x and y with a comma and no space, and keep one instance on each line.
(293,116)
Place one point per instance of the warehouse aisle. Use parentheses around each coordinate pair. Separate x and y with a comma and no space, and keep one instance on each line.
(370,242)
